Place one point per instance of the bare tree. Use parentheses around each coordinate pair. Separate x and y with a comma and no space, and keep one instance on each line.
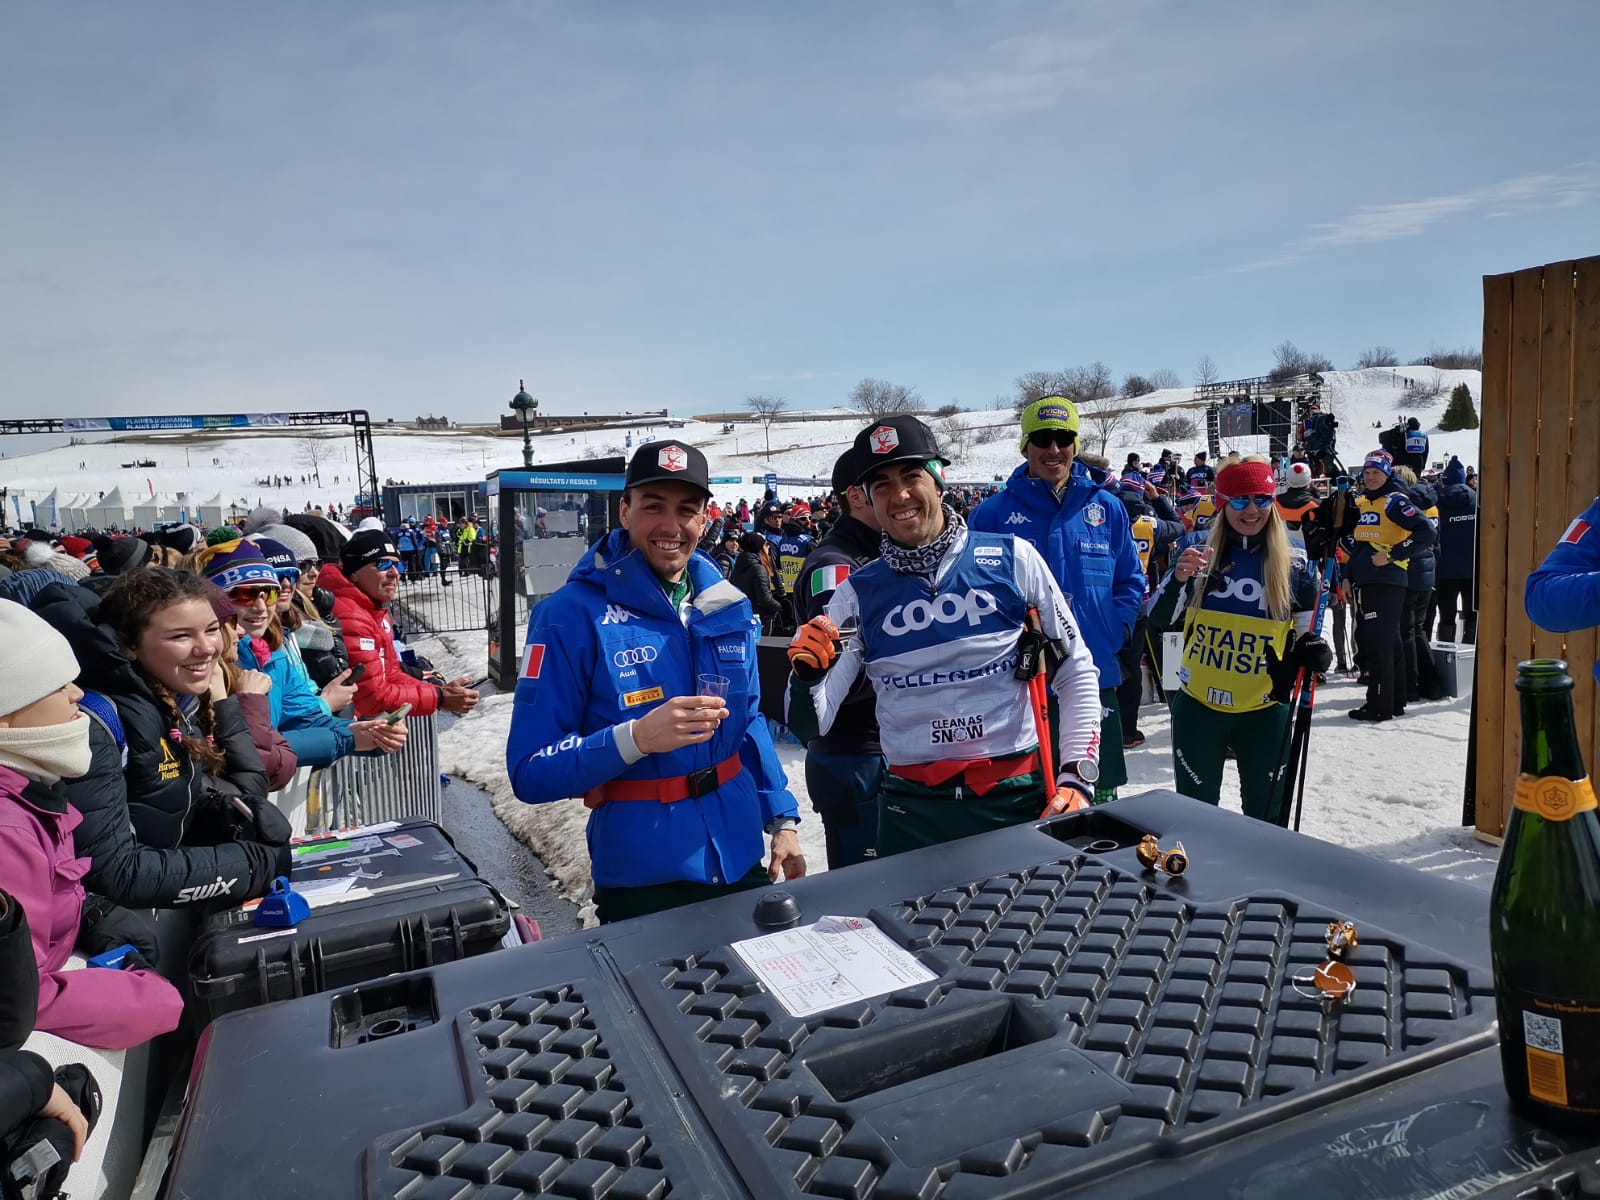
(1205,371)
(1105,415)
(1137,385)
(1289,361)
(1377,356)
(874,398)
(954,437)
(1036,385)
(1165,377)
(313,453)
(766,409)
(1175,428)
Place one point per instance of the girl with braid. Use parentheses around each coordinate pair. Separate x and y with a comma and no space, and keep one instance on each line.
(177,812)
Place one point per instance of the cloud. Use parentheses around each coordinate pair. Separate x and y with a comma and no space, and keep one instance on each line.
(1575,185)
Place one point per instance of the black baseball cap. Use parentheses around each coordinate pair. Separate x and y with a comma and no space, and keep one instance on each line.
(845,472)
(891,440)
(673,460)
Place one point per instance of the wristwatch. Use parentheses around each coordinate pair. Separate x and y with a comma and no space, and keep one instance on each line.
(1086,769)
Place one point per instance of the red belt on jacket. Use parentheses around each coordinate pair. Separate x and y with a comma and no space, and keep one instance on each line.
(666,791)
(979,774)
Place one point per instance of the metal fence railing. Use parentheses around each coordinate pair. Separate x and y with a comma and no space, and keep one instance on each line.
(360,790)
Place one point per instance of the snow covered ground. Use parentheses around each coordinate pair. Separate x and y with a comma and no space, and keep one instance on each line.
(1393,791)
(202,466)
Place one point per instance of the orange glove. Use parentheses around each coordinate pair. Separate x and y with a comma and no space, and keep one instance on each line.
(1066,799)
(815,646)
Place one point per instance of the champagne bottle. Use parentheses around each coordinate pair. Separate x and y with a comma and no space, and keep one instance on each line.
(1544,916)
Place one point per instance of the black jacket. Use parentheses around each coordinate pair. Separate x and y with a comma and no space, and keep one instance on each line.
(321,642)
(1422,568)
(750,576)
(25,1078)
(850,544)
(162,833)
(1457,551)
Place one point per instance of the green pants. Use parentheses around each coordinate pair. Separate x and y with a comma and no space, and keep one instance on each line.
(913,815)
(1113,764)
(619,903)
(1201,739)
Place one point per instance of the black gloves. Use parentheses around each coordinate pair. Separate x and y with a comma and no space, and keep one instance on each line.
(257,820)
(105,926)
(1312,653)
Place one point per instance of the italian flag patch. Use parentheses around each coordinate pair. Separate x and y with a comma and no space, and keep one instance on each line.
(825,579)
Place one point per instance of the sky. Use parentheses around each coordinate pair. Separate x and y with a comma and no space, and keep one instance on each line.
(410,208)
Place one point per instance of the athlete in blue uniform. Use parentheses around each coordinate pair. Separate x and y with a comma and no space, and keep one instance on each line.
(607,708)
(1564,593)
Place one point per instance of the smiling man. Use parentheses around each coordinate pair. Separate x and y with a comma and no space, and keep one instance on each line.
(1066,511)
(937,623)
(609,707)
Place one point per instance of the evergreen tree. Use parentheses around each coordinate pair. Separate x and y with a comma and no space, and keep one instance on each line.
(1460,414)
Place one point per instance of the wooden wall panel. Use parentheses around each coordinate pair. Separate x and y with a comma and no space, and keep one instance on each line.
(1540,467)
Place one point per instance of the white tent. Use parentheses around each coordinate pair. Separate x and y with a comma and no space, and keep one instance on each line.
(208,514)
(155,510)
(111,509)
(75,511)
(49,512)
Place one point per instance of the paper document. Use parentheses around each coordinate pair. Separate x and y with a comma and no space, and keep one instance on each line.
(833,961)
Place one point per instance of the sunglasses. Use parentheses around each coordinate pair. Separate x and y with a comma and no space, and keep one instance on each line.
(1240,503)
(246,596)
(288,575)
(390,564)
(1043,439)
(310,564)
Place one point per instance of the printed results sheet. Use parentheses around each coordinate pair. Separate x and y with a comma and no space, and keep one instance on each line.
(834,961)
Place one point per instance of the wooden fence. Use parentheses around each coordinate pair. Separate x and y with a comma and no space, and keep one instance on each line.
(1539,467)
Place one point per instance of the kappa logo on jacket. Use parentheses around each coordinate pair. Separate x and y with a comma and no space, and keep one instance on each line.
(947,609)
(1017,518)
(616,614)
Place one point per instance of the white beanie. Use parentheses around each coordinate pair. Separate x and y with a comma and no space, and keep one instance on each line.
(35,659)
(1297,476)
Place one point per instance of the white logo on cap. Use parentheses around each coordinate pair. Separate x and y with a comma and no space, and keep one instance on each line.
(884,439)
(673,459)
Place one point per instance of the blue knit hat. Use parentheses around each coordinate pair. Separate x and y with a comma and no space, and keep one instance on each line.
(1454,472)
(236,564)
(1380,460)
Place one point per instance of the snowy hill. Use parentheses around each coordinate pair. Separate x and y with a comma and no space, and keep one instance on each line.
(984,447)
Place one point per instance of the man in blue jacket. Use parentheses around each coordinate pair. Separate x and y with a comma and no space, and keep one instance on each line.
(1563,595)
(1068,513)
(682,785)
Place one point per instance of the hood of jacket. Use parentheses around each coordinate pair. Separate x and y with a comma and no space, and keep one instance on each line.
(1457,498)
(1424,496)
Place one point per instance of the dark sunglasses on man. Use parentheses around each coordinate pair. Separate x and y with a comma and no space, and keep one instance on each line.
(390,564)
(1043,439)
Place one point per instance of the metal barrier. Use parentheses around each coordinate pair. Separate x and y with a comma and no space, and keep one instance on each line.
(362,790)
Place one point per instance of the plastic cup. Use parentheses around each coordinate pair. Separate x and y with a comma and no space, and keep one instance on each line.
(712,685)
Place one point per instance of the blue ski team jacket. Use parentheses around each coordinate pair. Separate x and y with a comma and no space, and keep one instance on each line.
(316,736)
(608,648)
(1564,593)
(1088,543)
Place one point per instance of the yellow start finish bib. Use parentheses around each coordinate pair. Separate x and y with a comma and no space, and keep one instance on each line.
(1373,523)
(1553,797)
(1225,659)
(1144,538)
(789,570)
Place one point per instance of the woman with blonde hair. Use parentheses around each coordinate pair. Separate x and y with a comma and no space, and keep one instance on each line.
(1246,608)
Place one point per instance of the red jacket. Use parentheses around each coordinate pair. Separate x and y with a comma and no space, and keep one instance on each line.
(369,639)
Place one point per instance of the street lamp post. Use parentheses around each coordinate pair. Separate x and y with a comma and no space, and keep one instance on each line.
(523,404)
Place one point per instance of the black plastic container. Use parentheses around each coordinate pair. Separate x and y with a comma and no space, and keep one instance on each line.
(1095,1029)
(421,904)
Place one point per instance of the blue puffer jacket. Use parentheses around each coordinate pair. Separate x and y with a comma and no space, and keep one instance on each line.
(298,713)
(1086,539)
(605,650)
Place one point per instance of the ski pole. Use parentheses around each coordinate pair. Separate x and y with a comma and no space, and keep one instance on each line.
(1039,701)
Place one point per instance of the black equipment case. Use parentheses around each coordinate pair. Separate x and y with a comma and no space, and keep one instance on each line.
(1093,1028)
(393,897)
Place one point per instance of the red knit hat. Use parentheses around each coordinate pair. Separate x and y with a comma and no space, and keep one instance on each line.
(1246,479)
(77,546)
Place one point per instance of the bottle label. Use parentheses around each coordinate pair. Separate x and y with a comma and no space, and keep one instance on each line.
(1553,797)
(1561,1045)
